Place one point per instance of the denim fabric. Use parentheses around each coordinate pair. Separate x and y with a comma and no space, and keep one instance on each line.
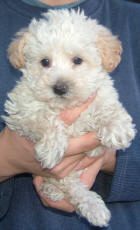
(6,192)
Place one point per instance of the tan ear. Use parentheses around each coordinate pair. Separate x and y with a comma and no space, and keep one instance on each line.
(15,49)
(110,49)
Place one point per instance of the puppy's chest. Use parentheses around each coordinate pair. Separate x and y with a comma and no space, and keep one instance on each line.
(85,123)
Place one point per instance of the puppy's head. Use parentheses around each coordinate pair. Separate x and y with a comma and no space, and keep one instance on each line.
(64,56)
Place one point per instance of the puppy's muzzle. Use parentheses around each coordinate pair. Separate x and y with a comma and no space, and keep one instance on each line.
(60,88)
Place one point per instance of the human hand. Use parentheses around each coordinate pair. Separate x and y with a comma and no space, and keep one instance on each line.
(105,162)
(18,155)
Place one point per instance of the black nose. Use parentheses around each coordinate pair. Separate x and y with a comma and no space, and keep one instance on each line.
(60,89)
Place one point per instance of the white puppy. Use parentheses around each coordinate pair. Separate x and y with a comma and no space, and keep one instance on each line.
(65,57)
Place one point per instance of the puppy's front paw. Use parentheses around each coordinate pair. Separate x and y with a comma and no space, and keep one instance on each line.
(49,158)
(119,135)
(50,152)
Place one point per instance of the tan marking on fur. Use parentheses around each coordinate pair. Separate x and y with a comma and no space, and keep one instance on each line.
(110,49)
(15,50)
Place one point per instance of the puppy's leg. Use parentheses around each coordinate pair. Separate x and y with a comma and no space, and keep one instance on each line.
(52,145)
(87,204)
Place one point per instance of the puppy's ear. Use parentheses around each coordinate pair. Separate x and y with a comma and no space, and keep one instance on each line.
(109,48)
(15,49)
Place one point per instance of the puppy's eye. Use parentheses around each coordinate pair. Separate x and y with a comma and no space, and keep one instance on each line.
(77,60)
(45,62)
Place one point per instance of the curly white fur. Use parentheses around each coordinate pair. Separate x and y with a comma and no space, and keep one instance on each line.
(33,106)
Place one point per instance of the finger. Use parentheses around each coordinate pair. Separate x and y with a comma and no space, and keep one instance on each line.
(66,163)
(37,181)
(87,161)
(83,143)
(60,170)
(70,115)
(89,175)
(64,168)
(109,161)
(84,106)
(63,173)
